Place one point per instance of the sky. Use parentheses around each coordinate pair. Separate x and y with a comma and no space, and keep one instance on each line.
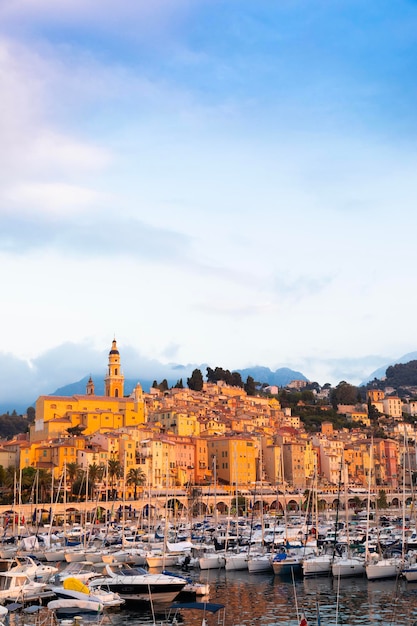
(208,181)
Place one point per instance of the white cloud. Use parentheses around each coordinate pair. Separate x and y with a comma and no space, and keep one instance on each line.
(41,166)
(52,199)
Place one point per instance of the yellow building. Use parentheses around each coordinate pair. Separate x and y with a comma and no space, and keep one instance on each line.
(91,413)
(272,461)
(176,422)
(375,395)
(235,459)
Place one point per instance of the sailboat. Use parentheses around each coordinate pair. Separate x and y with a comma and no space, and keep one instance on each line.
(378,566)
(237,560)
(320,563)
(288,560)
(261,561)
(347,564)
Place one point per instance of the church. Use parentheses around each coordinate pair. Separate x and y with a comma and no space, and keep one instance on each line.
(89,413)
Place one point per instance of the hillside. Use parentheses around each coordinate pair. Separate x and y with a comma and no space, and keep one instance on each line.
(402,377)
(380,373)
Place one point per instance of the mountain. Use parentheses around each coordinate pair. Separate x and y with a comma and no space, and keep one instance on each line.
(280,377)
(381,371)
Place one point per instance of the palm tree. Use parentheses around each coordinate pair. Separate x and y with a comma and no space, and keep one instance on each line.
(73,469)
(44,484)
(95,475)
(136,477)
(115,471)
(10,479)
(73,472)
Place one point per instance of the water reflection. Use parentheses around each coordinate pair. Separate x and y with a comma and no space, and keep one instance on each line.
(264,599)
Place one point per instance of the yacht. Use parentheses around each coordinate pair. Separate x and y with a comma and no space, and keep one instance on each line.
(137,585)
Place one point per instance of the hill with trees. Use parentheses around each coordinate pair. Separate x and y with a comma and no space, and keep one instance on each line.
(12,424)
(400,377)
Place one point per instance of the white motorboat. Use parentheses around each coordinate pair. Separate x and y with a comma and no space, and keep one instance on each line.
(73,606)
(138,585)
(19,586)
(81,570)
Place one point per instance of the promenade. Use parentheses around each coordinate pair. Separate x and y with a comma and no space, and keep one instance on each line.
(199,502)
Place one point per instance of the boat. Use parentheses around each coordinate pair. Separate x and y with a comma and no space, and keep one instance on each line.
(236,561)
(192,589)
(16,585)
(32,567)
(317,565)
(137,585)
(259,563)
(74,606)
(378,568)
(346,566)
(74,597)
(288,562)
(82,570)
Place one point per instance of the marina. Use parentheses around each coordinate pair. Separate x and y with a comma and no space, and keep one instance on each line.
(249,596)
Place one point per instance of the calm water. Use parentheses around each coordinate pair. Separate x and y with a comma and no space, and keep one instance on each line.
(264,599)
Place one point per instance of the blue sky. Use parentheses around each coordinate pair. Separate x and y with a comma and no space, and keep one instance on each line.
(230,183)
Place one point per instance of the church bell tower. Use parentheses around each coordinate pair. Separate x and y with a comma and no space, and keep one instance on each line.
(114,381)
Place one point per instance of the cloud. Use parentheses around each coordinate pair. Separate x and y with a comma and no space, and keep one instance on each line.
(84,238)
(54,199)
(333,370)
(24,380)
(100,11)
(42,168)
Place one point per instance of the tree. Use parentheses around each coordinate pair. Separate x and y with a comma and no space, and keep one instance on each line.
(75,431)
(95,475)
(195,382)
(72,471)
(179,384)
(307,396)
(250,386)
(236,380)
(135,477)
(373,412)
(115,471)
(381,501)
(30,412)
(344,393)
(44,484)
(10,477)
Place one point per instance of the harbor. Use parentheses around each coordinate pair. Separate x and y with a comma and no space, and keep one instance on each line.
(117,560)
